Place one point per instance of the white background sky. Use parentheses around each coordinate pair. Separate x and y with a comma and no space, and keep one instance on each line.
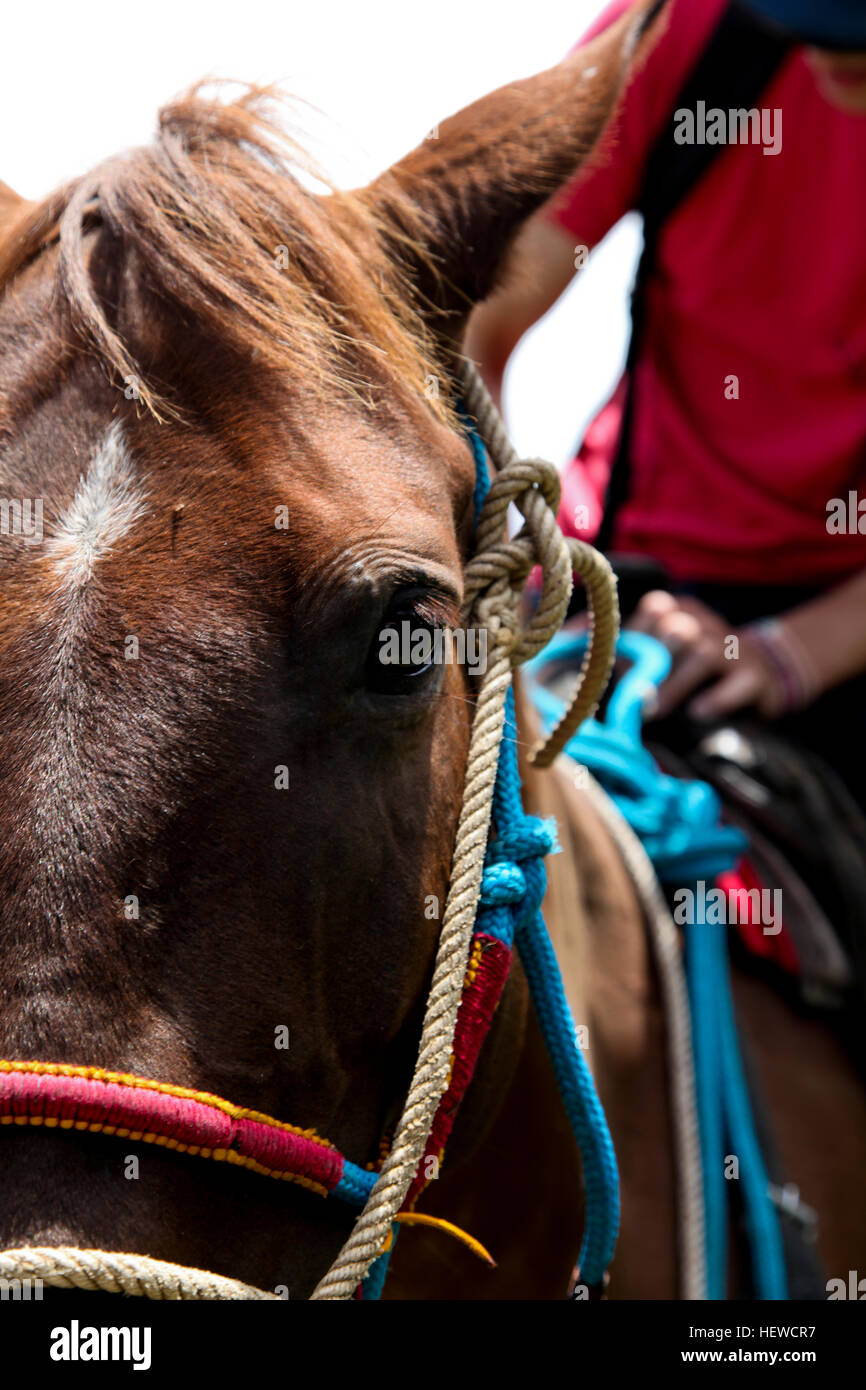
(83,80)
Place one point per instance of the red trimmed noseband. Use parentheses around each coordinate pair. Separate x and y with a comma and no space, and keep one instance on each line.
(61,1096)
(105,1102)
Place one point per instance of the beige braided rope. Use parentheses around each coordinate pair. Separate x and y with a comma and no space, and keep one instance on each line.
(64,1267)
(494,581)
(539,508)
(431,1071)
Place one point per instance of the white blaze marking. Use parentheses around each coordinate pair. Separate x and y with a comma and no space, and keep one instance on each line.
(106,506)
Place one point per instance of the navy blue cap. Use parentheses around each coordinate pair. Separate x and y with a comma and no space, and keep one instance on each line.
(838,24)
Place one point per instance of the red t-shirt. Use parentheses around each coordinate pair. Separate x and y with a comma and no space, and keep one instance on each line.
(761,275)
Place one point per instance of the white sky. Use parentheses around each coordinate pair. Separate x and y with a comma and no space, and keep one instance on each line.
(84,80)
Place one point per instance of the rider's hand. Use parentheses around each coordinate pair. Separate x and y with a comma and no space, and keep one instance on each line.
(745,668)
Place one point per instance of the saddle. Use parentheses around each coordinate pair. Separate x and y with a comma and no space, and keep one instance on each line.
(807,838)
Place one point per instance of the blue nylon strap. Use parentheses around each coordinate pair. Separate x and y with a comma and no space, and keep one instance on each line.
(725,1116)
(762,1218)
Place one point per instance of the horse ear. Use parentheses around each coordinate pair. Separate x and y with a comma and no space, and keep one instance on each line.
(11,204)
(450,208)
(13,210)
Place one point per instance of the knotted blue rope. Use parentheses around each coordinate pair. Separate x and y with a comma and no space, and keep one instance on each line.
(678,821)
(679,824)
(512,890)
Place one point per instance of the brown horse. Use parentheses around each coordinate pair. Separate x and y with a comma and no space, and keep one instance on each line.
(220,816)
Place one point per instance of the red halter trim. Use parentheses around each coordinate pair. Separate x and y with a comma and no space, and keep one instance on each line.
(61,1096)
(132,1107)
(489,963)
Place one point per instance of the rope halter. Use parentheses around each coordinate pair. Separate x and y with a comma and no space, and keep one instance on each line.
(495,578)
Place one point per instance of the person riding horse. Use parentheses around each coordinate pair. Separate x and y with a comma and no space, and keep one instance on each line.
(741,420)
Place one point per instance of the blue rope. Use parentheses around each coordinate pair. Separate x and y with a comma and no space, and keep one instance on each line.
(356,1184)
(679,825)
(513,886)
(482,481)
(579,1097)
(706,1049)
(512,889)
(677,821)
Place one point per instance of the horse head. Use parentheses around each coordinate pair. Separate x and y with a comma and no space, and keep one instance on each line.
(230,459)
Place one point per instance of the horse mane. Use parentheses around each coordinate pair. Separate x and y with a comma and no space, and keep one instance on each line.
(224,230)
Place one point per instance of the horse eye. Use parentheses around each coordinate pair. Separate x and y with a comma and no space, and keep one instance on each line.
(405,653)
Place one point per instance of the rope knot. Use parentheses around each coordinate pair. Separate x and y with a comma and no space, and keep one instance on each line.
(497,575)
(502,885)
(514,878)
(534,839)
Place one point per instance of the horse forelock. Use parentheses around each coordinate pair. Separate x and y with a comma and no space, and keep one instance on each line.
(213,228)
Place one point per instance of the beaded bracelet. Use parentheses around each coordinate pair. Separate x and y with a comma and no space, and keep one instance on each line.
(789,661)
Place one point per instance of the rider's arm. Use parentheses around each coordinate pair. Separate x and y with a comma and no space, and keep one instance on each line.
(543,257)
(831,631)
